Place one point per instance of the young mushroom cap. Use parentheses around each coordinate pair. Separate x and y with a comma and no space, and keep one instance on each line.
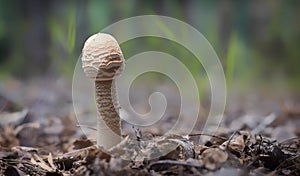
(102,58)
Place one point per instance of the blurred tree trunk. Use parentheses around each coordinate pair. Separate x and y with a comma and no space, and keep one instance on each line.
(225,23)
(36,36)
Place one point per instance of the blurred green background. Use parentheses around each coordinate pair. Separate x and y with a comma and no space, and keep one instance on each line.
(257,41)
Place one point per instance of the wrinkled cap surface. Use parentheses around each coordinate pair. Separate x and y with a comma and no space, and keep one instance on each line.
(102,58)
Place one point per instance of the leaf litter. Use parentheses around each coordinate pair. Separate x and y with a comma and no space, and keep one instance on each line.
(56,146)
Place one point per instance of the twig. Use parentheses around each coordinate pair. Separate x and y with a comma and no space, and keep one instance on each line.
(266,122)
(231,137)
(211,135)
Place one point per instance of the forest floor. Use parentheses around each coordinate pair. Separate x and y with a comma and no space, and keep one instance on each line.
(39,135)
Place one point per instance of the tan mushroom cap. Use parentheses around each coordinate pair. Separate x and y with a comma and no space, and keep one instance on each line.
(102,58)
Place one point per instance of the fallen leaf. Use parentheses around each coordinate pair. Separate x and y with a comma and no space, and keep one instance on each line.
(213,158)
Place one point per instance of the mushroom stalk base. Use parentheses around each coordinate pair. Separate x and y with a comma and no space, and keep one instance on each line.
(109,128)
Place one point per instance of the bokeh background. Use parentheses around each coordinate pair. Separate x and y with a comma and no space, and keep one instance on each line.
(257,42)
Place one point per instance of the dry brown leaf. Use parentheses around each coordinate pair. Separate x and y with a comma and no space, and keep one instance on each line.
(37,160)
(186,148)
(131,149)
(8,137)
(15,118)
(50,161)
(34,125)
(237,144)
(25,152)
(82,143)
(213,158)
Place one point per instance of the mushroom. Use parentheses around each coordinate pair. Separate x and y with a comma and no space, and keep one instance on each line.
(102,61)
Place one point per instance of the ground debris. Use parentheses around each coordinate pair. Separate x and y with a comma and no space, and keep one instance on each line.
(256,154)
(56,147)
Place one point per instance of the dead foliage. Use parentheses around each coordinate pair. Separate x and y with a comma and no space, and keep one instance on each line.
(56,147)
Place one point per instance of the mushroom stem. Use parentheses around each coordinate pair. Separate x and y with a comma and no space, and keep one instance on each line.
(109,130)
(103,61)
